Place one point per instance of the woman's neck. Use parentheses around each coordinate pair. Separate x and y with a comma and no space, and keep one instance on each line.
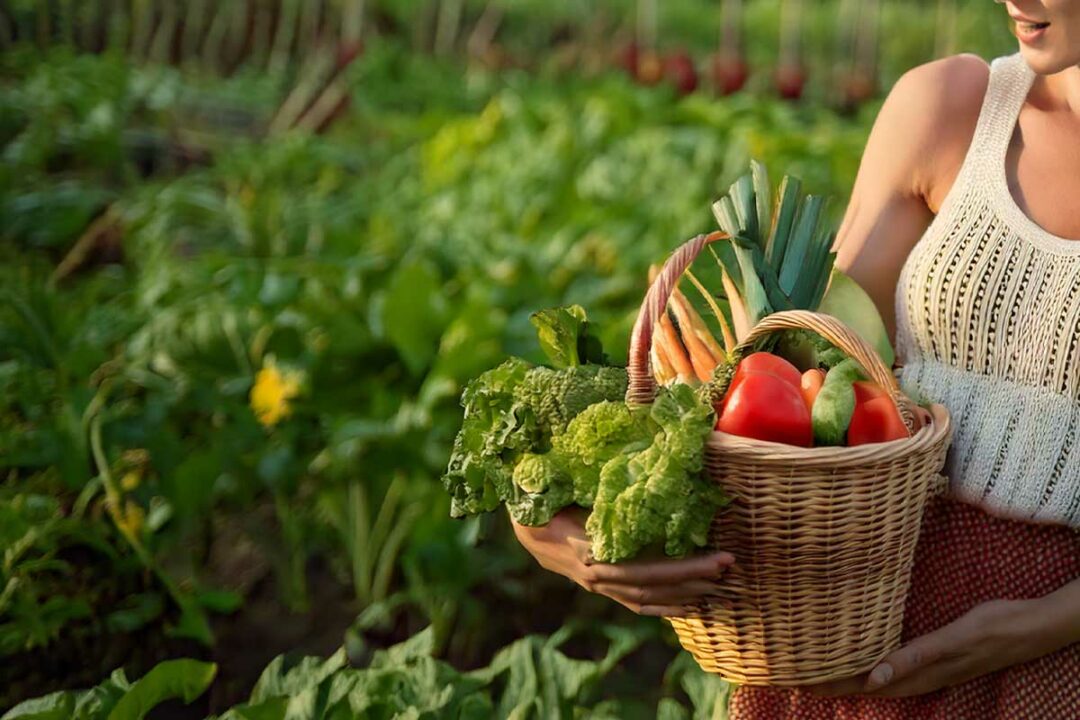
(1063,90)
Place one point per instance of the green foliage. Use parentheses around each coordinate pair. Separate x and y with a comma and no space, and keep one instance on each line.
(119,699)
(564,337)
(530,678)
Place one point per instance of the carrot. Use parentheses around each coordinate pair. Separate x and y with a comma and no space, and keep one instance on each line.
(738,308)
(676,353)
(663,373)
(701,357)
(687,315)
(725,329)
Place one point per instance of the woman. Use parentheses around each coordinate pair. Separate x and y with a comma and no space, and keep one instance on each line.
(964,225)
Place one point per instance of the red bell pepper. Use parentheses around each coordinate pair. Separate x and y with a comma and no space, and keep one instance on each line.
(766,406)
(762,362)
(876,418)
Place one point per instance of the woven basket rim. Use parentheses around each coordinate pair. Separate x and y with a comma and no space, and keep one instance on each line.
(769,453)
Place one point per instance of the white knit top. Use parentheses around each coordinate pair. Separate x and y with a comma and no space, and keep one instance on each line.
(988,324)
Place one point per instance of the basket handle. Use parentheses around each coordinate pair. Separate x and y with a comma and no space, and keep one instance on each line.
(642,388)
(847,340)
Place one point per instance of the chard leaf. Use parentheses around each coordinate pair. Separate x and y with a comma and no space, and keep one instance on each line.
(848,302)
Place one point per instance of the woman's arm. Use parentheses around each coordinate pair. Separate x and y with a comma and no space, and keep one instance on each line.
(912,157)
(990,637)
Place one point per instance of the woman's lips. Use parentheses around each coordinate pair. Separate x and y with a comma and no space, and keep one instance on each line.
(1029,32)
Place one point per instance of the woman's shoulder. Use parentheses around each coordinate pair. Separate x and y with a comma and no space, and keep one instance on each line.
(933,110)
(944,92)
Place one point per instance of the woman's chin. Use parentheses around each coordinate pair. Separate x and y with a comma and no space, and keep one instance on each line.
(1048,60)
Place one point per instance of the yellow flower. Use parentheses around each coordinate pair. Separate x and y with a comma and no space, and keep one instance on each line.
(271,393)
(132,518)
(131,479)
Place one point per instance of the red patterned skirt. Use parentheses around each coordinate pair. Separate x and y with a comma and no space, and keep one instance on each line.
(965,557)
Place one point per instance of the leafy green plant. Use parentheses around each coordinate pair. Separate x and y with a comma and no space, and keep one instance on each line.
(120,699)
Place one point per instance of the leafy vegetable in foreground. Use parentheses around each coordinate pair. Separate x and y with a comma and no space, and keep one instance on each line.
(658,494)
(512,410)
(119,699)
(539,439)
(529,678)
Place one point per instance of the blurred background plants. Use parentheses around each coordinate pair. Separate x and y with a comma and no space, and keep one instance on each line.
(251,251)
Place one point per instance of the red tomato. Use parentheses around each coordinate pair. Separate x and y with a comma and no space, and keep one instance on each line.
(812,380)
(765,407)
(875,420)
(868,390)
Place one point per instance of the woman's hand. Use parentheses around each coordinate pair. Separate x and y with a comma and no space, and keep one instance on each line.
(989,637)
(660,588)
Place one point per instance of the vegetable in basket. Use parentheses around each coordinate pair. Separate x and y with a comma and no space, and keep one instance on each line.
(765,401)
(775,257)
(875,417)
(772,256)
(538,439)
(835,403)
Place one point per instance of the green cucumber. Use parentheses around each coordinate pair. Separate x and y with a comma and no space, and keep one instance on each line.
(835,403)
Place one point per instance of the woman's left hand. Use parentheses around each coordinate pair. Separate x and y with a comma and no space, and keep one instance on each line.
(989,637)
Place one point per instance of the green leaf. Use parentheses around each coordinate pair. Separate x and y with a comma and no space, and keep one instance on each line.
(277,680)
(848,302)
(193,623)
(709,695)
(220,601)
(413,313)
(564,338)
(786,212)
(763,195)
(134,612)
(269,710)
(793,270)
(56,706)
(183,679)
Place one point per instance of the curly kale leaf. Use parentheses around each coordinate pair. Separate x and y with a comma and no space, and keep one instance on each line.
(512,410)
(542,487)
(658,494)
(597,435)
(478,476)
(806,349)
(554,397)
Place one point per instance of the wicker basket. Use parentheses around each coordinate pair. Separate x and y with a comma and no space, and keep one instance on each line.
(823,538)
